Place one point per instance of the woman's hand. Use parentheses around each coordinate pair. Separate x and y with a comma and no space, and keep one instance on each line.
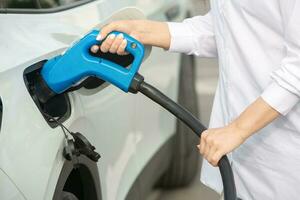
(215,143)
(147,32)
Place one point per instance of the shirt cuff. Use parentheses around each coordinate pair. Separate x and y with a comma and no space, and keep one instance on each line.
(181,38)
(279,98)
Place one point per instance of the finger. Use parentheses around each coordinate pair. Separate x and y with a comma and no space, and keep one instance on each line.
(124,54)
(211,156)
(202,147)
(105,46)
(117,42)
(95,48)
(206,151)
(203,142)
(216,158)
(121,49)
(106,30)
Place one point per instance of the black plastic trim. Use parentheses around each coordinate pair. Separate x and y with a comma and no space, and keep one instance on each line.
(89,186)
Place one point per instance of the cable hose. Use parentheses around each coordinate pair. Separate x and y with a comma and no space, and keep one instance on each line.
(191,121)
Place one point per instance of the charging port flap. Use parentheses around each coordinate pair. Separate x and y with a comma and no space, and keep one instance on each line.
(57,107)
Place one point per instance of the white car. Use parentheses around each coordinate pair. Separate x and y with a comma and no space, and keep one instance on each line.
(141,145)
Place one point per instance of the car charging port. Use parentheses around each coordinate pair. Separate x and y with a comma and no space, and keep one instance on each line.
(58,106)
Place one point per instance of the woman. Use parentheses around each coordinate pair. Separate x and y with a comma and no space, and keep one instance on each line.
(256,112)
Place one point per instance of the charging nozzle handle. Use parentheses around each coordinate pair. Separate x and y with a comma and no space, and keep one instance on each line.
(110,71)
(191,121)
(61,72)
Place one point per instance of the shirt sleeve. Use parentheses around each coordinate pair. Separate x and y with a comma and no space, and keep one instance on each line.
(194,36)
(284,91)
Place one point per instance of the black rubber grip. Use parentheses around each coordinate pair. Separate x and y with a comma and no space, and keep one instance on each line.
(191,121)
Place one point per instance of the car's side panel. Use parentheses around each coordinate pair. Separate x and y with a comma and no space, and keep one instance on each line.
(108,122)
(116,123)
(8,189)
(32,151)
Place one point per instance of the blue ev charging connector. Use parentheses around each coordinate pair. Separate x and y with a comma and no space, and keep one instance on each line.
(63,71)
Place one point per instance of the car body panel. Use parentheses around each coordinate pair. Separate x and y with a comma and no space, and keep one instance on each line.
(126,130)
(29,147)
(8,189)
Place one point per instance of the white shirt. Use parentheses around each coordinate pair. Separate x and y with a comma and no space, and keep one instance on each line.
(257,43)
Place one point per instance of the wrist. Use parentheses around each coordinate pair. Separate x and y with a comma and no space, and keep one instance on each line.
(238,128)
(156,34)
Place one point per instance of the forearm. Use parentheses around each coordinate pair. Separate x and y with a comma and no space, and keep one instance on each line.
(255,117)
(156,34)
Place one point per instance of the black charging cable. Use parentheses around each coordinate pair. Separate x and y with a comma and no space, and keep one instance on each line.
(139,85)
